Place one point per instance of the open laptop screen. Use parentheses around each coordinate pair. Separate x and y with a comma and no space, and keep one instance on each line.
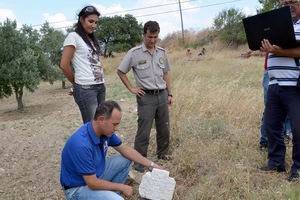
(275,25)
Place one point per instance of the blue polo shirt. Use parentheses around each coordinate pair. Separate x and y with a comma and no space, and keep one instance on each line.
(84,154)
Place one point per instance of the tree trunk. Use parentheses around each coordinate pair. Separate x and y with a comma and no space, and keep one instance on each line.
(19,96)
(63,84)
(105,52)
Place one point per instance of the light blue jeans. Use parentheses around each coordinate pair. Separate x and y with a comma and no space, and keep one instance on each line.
(116,170)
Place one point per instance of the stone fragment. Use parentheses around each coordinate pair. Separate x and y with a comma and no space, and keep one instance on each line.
(157,185)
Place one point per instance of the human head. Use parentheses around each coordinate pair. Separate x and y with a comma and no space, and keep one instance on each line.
(152,27)
(107,117)
(295,8)
(86,25)
(151,31)
(106,108)
(88,19)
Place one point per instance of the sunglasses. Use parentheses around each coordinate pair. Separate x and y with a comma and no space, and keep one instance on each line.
(90,9)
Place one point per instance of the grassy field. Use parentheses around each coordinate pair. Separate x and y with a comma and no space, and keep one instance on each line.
(215,125)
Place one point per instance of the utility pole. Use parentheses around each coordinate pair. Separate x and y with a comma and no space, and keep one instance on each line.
(182,30)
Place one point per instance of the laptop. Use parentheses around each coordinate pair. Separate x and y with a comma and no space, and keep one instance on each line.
(275,25)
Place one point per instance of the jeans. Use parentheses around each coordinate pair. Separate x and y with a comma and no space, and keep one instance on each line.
(88,97)
(282,101)
(287,124)
(263,133)
(116,170)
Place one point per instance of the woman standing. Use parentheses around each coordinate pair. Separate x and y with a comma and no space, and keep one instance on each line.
(81,64)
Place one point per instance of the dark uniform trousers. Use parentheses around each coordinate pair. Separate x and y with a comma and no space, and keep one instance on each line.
(153,106)
(282,101)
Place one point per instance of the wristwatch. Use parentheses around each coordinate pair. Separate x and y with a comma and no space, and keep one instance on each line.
(151,166)
(170,95)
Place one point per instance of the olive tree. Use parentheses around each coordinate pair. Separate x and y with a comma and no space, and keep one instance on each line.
(19,54)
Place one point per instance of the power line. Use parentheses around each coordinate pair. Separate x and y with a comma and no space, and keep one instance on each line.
(191,8)
(172,11)
(143,8)
(124,11)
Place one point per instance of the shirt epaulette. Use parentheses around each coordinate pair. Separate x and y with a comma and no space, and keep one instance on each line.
(136,48)
(160,48)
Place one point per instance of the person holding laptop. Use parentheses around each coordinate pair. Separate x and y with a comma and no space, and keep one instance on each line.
(287,129)
(283,98)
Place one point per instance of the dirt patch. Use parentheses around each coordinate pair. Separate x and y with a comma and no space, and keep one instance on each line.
(31,142)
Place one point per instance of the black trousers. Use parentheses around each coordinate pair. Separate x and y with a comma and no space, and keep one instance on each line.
(153,107)
(282,101)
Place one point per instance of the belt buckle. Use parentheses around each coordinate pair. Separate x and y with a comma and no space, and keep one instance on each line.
(86,86)
(156,92)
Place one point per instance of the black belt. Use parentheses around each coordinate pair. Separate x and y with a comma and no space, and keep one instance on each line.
(154,91)
(90,86)
(67,187)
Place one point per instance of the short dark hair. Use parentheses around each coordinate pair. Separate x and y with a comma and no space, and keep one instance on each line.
(152,26)
(106,108)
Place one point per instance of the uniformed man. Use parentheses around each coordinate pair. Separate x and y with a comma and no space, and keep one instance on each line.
(153,92)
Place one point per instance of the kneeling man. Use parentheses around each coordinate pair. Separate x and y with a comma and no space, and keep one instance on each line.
(86,173)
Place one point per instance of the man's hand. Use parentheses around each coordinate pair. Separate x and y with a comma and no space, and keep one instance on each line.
(170,100)
(127,190)
(157,166)
(137,91)
(267,47)
(71,92)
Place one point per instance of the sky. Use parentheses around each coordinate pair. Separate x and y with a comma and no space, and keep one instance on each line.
(197,14)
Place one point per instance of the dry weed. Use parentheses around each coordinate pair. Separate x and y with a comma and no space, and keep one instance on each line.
(215,129)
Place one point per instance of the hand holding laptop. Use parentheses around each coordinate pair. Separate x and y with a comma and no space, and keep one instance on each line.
(267,47)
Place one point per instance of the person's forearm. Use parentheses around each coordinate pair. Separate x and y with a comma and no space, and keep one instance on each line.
(167,78)
(124,80)
(293,52)
(100,184)
(132,154)
(68,72)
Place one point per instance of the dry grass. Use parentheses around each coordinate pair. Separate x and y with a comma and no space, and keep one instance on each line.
(214,140)
(215,128)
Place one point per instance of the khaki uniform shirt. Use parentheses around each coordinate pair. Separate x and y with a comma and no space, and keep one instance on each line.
(148,69)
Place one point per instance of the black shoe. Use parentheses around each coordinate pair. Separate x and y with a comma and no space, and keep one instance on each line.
(263,146)
(138,167)
(294,176)
(272,169)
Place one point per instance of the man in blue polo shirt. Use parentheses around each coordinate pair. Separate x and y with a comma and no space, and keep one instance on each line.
(86,173)
(283,98)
